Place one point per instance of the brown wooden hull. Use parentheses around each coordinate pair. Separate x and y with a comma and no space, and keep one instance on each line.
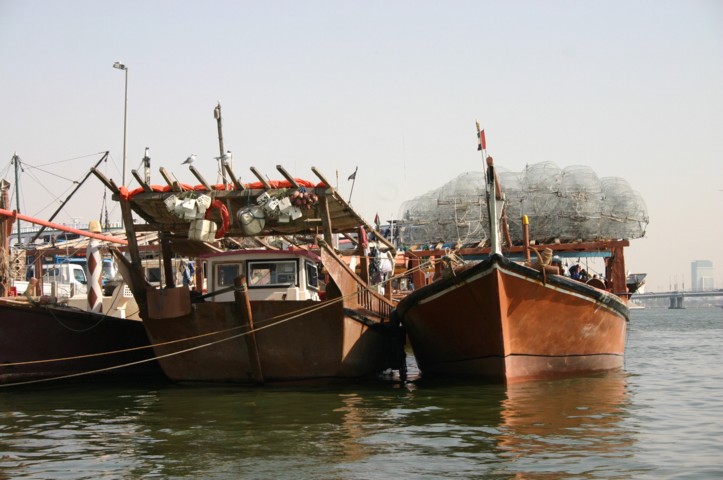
(322,344)
(293,340)
(32,333)
(506,322)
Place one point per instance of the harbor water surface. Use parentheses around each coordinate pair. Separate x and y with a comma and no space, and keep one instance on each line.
(661,417)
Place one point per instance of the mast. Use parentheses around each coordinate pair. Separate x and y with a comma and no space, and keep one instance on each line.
(217,116)
(147,167)
(495,198)
(69,197)
(16,162)
(492,205)
(222,157)
(4,232)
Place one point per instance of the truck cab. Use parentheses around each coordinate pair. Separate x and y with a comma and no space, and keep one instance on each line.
(65,275)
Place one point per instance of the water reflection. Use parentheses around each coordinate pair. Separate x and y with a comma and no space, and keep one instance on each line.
(562,429)
(580,420)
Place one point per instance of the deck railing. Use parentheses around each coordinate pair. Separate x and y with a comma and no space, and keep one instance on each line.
(373,302)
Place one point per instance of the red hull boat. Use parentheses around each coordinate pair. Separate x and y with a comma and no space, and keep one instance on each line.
(510,321)
(507,322)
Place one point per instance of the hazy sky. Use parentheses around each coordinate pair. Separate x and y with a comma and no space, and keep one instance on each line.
(631,88)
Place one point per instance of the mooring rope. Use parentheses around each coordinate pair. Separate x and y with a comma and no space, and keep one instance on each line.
(275,321)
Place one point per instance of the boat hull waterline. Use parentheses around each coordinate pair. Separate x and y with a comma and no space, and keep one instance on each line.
(506,322)
(347,336)
(77,341)
(325,344)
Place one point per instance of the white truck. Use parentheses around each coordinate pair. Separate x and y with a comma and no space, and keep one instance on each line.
(60,280)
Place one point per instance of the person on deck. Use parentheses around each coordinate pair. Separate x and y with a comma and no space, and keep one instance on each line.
(575,272)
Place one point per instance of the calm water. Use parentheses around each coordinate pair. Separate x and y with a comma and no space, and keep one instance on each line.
(662,417)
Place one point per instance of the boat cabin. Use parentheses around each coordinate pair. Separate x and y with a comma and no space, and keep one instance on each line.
(270,274)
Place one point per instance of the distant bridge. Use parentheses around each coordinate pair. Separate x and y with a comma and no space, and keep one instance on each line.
(676,297)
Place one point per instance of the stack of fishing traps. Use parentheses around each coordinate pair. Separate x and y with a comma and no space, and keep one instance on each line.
(567,205)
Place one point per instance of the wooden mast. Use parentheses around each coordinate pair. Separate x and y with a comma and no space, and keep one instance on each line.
(5,225)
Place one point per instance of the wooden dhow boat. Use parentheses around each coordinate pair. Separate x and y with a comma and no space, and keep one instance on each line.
(266,315)
(508,321)
(44,337)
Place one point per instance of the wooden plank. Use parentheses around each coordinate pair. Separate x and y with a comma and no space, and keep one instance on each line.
(130,233)
(200,178)
(146,188)
(263,181)
(110,185)
(236,181)
(321,177)
(325,219)
(349,210)
(167,256)
(286,175)
(171,182)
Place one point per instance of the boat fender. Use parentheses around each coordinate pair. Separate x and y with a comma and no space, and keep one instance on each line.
(252,220)
(225,220)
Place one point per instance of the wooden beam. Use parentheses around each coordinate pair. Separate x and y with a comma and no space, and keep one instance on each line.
(236,181)
(321,177)
(130,233)
(243,307)
(166,177)
(146,188)
(286,175)
(200,178)
(335,195)
(363,259)
(167,256)
(108,183)
(326,219)
(263,181)
(418,277)
(171,182)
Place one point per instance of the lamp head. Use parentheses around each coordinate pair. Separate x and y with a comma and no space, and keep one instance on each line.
(119,66)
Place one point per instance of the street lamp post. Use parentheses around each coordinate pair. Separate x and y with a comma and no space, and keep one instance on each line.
(121,66)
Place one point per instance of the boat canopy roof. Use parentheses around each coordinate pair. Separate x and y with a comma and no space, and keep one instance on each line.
(287,207)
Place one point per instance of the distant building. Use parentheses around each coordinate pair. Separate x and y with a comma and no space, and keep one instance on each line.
(701,275)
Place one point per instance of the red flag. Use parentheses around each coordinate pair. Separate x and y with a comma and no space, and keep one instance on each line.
(376,220)
(482,145)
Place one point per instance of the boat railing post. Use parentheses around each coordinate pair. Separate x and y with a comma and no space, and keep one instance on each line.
(39,273)
(417,274)
(526,237)
(388,289)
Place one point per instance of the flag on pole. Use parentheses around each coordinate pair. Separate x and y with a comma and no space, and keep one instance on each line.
(353,175)
(376,221)
(482,143)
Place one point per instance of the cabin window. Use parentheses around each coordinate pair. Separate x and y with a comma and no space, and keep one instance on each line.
(268,274)
(79,276)
(226,272)
(154,274)
(312,275)
(106,272)
(52,273)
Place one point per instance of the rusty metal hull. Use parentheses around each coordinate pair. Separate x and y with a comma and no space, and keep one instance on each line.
(31,333)
(506,322)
